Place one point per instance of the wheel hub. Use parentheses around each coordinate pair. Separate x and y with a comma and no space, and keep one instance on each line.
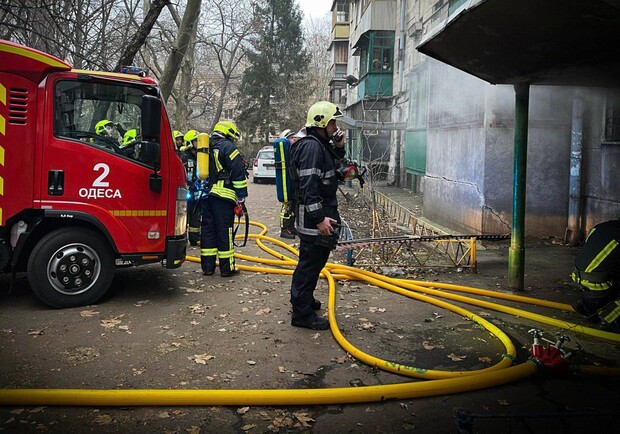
(73,269)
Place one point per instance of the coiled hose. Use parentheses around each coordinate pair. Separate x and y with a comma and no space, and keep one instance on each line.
(438,382)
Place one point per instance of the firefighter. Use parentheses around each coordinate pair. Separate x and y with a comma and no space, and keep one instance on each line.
(312,169)
(287,212)
(104,128)
(130,146)
(195,194)
(597,271)
(178,141)
(228,188)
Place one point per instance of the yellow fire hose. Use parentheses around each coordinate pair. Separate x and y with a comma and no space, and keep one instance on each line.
(439,382)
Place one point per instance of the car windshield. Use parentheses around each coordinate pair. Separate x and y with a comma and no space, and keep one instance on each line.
(265,155)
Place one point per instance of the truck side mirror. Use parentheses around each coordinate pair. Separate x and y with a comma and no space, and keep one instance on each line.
(149,153)
(151,118)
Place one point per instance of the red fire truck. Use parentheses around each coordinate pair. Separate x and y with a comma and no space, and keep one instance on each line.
(76,201)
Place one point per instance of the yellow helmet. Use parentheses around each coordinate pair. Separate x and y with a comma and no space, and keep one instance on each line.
(130,137)
(321,113)
(100,126)
(176,134)
(227,129)
(189,136)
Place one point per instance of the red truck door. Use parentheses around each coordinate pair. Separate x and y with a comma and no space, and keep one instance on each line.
(89,170)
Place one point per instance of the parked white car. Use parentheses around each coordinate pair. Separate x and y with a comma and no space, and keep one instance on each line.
(264,166)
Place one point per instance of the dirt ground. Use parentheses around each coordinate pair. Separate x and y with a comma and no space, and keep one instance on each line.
(162,329)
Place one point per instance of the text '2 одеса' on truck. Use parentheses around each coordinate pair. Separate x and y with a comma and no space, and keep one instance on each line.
(78,196)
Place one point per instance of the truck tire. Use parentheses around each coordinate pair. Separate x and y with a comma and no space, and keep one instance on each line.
(71,267)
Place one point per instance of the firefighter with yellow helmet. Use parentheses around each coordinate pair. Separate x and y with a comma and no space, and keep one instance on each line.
(228,187)
(178,141)
(188,157)
(312,168)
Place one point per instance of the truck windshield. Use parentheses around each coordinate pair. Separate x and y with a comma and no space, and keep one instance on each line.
(104,115)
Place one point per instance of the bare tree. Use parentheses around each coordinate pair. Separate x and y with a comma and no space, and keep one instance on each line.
(183,40)
(231,22)
(139,37)
(317,37)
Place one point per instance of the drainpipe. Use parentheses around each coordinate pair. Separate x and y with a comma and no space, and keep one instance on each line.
(401,77)
(401,45)
(573,232)
(516,255)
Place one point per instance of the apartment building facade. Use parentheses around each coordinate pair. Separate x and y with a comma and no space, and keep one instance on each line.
(457,145)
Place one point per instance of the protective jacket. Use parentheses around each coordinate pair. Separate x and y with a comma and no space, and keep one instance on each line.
(227,185)
(227,177)
(315,185)
(597,266)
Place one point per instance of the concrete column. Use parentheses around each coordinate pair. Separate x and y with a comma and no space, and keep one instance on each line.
(573,231)
(516,255)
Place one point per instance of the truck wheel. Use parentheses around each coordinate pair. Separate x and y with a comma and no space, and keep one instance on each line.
(71,267)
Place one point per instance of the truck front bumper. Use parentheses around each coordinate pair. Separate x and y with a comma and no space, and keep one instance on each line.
(176,250)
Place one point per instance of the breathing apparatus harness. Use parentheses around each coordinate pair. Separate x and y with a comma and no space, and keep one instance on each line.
(221,174)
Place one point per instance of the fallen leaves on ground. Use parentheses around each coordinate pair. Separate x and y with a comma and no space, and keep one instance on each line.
(243,410)
(303,418)
(88,313)
(456,358)
(262,311)
(109,324)
(248,427)
(485,359)
(202,358)
(428,346)
(103,419)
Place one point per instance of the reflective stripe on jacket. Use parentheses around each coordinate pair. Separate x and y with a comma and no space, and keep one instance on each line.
(597,266)
(227,178)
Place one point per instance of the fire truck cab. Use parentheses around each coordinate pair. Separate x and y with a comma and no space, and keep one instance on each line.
(79,196)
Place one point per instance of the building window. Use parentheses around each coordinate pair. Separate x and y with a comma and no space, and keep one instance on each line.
(342,12)
(381,52)
(341,52)
(612,119)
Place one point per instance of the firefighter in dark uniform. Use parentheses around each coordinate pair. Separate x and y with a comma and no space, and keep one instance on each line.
(312,169)
(597,270)
(188,157)
(228,187)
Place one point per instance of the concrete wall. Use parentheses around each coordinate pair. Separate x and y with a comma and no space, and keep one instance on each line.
(454,181)
(601,163)
(469,178)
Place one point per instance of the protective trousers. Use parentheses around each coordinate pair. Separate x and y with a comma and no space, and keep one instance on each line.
(312,259)
(193,217)
(216,234)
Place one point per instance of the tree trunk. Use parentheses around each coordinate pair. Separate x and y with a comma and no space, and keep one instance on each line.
(173,64)
(183,110)
(137,40)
